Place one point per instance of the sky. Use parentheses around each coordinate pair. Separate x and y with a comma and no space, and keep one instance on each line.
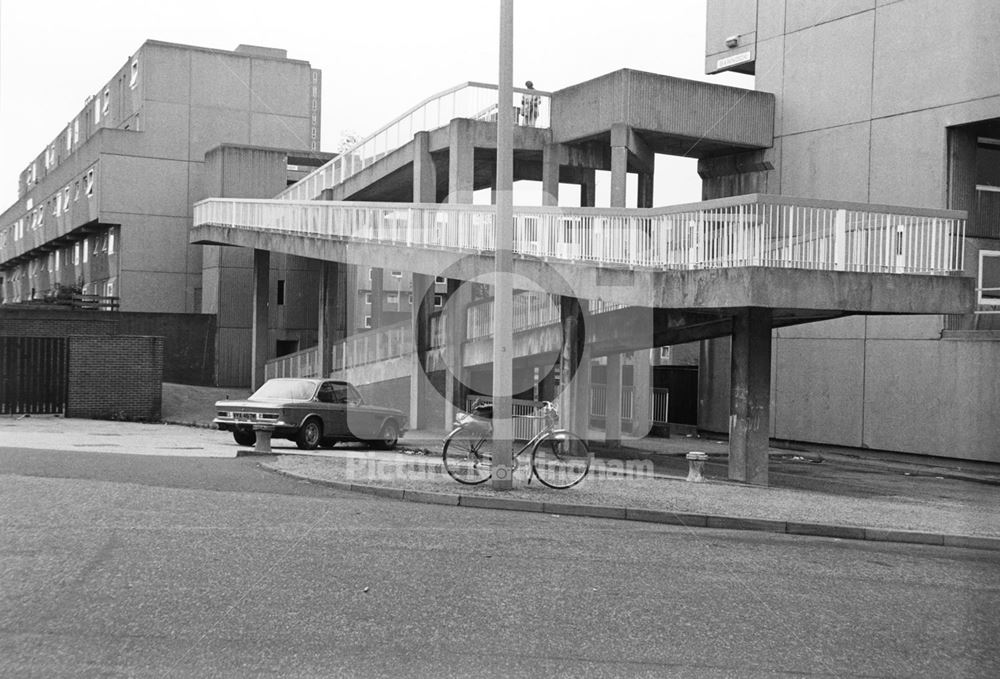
(378,57)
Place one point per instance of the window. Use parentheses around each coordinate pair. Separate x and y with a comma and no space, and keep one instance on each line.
(85,250)
(396,274)
(76,253)
(368,321)
(97,111)
(58,254)
(89,181)
(368,298)
(411,299)
(66,199)
(392,298)
(106,106)
(57,205)
(133,78)
(438,301)
(76,131)
(281,292)
(989,278)
(76,190)
(111,242)
(664,353)
(69,138)
(440,279)
(371,273)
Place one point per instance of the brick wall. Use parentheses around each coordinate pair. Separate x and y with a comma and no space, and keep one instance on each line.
(116,377)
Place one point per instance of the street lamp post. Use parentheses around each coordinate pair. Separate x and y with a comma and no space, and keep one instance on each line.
(503,303)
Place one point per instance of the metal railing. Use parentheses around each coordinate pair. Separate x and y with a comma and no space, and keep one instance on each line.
(658,403)
(751,230)
(303,363)
(477,101)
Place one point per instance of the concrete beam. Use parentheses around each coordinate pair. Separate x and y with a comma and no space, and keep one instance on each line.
(259,335)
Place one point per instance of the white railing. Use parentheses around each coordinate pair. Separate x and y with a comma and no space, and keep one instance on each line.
(477,101)
(752,230)
(525,424)
(659,402)
(374,346)
(303,363)
(531,310)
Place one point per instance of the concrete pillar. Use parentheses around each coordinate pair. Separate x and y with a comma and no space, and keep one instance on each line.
(570,358)
(326,324)
(376,275)
(459,297)
(260,336)
(750,396)
(641,395)
(613,412)
(588,189)
(461,156)
(550,174)
(580,423)
(420,386)
(424,172)
(619,163)
(645,192)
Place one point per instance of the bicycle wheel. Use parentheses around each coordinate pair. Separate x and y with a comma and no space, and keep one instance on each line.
(468,456)
(560,460)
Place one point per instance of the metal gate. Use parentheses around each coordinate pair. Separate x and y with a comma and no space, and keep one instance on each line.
(33,375)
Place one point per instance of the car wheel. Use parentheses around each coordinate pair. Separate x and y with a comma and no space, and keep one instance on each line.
(245,437)
(309,434)
(388,436)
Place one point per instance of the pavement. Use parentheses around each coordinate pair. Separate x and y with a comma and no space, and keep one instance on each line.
(813,490)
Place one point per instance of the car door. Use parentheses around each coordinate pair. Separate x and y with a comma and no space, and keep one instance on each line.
(332,405)
(364,421)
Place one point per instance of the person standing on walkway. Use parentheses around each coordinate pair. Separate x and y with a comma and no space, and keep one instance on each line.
(529,105)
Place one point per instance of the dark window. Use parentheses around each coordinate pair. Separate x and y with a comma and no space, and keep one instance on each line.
(281,292)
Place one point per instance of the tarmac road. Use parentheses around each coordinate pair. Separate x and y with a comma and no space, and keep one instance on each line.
(169,566)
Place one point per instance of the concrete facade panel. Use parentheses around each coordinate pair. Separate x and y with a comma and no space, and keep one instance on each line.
(933,398)
(904,327)
(828,74)
(814,390)
(916,67)
(280,88)
(770,24)
(236,299)
(151,243)
(213,126)
(279,130)
(167,123)
(162,292)
(220,80)
(909,163)
(233,359)
(143,186)
(166,74)
(804,14)
(829,164)
(729,17)
(771,78)
(851,327)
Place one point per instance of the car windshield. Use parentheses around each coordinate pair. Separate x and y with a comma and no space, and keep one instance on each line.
(282,390)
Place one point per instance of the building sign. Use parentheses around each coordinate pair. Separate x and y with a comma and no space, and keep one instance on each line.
(734,59)
(315,106)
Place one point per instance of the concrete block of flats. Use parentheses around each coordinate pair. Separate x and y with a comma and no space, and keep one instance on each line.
(597,511)
(428,497)
(491,502)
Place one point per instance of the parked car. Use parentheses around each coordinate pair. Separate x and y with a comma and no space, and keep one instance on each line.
(311,412)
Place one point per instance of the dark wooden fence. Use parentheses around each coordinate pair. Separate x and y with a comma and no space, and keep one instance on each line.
(33,375)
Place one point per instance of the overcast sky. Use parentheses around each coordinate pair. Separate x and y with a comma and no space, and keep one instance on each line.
(378,57)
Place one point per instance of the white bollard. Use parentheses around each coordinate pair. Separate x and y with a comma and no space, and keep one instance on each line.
(696,462)
(263,443)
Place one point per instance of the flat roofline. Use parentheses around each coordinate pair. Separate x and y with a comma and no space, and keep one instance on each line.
(215,50)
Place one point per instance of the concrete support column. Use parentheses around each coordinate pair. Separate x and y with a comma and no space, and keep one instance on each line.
(424,172)
(613,405)
(259,337)
(550,174)
(420,386)
(641,395)
(588,189)
(461,156)
(750,396)
(376,275)
(619,163)
(570,359)
(325,326)
(424,191)
(580,423)
(459,297)
(645,192)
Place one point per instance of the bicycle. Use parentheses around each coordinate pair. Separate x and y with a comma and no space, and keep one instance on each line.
(559,458)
